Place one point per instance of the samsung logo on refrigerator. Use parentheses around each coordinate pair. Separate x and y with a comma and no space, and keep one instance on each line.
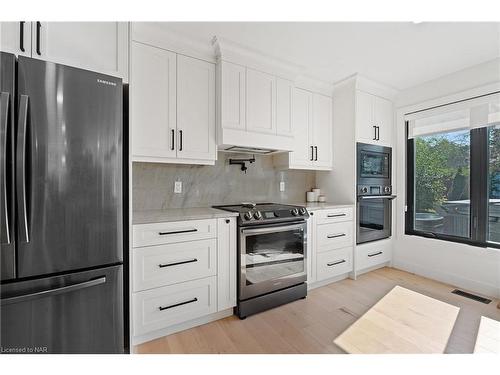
(104,82)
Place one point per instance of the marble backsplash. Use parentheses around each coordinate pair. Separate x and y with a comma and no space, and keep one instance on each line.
(203,186)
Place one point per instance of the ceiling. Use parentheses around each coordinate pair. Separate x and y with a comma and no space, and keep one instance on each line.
(398,54)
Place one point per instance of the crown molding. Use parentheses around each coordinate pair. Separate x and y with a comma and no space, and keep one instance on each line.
(229,51)
(156,34)
(314,84)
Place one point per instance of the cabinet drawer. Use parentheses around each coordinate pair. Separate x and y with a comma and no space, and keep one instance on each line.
(372,254)
(334,263)
(162,307)
(161,265)
(334,215)
(175,231)
(334,236)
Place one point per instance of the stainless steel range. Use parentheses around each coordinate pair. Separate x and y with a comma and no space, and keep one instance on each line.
(272,242)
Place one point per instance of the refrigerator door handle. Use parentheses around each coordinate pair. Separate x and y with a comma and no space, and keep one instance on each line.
(4,118)
(53,292)
(21,169)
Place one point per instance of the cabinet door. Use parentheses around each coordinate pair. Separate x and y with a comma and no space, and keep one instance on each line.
(195,109)
(302,153)
(322,131)
(15,37)
(232,98)
(261,102)
(384,120)
(284,95)
(96,46)
(365,123)
(226,263)
(152,102)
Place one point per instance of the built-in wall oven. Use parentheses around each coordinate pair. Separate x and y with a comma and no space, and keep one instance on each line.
(374,191)
(272,243)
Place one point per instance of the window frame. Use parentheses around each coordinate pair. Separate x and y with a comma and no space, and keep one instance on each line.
(478,192)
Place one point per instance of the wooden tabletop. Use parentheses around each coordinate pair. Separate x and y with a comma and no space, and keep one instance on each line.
(488,336)
(403,321)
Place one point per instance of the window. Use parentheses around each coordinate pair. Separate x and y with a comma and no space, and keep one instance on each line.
(494,184)
(442,190)
(453,172)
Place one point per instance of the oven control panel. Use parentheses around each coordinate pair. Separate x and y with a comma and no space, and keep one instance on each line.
(293,213)
(374,190)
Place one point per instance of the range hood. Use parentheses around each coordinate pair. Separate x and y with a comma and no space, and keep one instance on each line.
(249,150)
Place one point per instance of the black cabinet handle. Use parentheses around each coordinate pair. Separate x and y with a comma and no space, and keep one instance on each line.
(38,29)
(228,221)
(161,308)
(335,263)
(375,131)
(335,235)
(375,254)
(335,215)
(21,36)
(378,133)
(312,153)
(173,140)
(316,158)
(180,136)
(177,232)
(177,263)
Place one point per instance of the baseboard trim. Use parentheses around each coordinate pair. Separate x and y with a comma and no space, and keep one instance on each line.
(449,278)
(318,284)
(136,340)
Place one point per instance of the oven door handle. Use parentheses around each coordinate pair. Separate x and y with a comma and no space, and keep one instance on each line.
(364,197)
(284,228)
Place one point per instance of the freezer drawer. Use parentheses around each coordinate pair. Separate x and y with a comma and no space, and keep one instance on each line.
(77,313)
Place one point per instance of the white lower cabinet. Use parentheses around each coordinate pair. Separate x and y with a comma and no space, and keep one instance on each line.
(155,266)
(334,263)
(166,306)
(330,244)
(373,254)
(182,272)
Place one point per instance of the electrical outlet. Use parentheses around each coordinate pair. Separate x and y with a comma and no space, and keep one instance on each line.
(178,187)
(282,186)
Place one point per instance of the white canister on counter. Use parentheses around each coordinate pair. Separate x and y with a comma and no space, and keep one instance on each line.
(322,198)
(310,196)
(317,193)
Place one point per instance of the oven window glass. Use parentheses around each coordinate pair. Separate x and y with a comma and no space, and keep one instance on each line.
(272,256)
(372,220)
(374,164)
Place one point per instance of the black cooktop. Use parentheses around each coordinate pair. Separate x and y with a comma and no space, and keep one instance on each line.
(260,213)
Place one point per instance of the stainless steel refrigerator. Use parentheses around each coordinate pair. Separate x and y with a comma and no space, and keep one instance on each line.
(61,225)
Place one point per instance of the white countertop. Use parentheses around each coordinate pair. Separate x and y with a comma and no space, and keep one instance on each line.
(179,214)
(198,213)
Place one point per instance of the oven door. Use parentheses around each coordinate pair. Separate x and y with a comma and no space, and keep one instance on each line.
(374,217)
(374,165)
(272,257)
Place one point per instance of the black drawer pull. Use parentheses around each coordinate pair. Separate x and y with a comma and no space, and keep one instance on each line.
(177,263)
(335,215)
(375,254)
(335,263)
(161,308)
(177,232)
(336,235)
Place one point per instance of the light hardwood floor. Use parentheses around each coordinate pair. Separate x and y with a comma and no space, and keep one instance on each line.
(311,325)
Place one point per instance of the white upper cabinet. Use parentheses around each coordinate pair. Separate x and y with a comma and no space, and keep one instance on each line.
(374,119)
(195,108)
(322,131)
(303,153)
(15,37)
(232,95)
(312,126)
(284,104)
(172,107)
(98,46)
(261,102)
(152,102)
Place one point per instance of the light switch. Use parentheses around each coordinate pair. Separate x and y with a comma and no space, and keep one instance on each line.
(282,186)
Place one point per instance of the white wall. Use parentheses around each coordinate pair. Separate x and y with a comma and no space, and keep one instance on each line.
(473,268)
